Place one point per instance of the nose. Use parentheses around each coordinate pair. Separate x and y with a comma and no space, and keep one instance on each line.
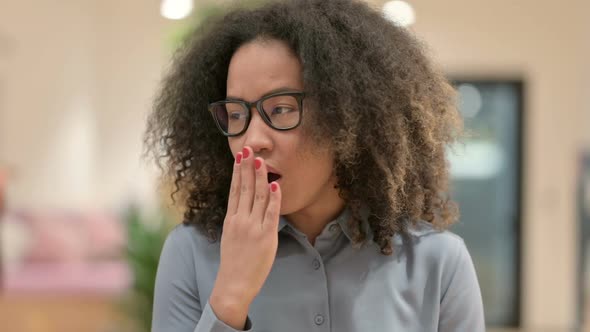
(258,135)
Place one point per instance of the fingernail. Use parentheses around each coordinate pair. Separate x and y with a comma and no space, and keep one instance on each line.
(274,186)
(257,163)
(246,153)
(239,158)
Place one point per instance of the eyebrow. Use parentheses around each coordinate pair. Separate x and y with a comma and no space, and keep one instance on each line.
(277,90)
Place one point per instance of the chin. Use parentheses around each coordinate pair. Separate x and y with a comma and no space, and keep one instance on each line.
(286,208)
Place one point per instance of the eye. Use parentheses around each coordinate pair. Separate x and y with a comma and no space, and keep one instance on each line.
(281,110)
(236,115)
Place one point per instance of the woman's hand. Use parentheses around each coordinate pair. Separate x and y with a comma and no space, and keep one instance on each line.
(249,241)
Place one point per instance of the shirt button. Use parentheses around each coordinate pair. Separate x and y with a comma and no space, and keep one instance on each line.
(316,264)
(333,228)
(319,319)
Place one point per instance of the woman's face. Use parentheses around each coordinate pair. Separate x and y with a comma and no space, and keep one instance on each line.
(256,69)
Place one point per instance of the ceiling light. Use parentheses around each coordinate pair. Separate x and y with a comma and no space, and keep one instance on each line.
(399,12)
(176,9)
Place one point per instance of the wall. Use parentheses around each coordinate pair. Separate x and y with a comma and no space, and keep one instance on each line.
(76,82)
(48,102)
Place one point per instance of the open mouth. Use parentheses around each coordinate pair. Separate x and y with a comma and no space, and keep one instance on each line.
(273,177)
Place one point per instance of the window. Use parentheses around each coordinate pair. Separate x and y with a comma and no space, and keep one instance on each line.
(485,170)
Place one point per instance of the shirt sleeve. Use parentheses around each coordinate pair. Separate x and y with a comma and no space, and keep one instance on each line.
(461,307)
(177,306)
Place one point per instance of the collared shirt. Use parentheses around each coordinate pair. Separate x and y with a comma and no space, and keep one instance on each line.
(428,284)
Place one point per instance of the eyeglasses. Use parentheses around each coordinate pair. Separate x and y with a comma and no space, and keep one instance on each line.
(281,111)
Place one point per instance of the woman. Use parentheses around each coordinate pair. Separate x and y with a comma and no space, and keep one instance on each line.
(307,139)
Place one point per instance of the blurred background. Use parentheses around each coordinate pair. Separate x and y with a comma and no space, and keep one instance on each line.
(82,217)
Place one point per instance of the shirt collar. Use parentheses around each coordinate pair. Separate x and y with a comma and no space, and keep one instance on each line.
(282,222)
(341,220)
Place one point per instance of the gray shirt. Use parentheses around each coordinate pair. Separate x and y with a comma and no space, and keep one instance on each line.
(428,284)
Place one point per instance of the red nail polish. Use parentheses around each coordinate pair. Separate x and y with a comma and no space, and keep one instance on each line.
(257,163)
(274,186)
(239,158)
(246,153)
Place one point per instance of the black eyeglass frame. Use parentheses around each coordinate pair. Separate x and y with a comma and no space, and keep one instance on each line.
(299,95)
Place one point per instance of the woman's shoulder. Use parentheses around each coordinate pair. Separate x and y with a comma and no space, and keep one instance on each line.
(430,244)
(424,229)
(189,238)
(427,231)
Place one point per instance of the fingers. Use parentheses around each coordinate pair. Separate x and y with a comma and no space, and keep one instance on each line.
(234,192)
(261,191)
(247,182)
(273,210)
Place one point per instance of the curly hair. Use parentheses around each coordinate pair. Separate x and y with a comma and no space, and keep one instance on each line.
(384,109)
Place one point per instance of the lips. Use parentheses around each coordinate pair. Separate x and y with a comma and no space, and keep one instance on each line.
(272,175)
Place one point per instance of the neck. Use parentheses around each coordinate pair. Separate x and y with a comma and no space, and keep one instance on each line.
(312,219)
